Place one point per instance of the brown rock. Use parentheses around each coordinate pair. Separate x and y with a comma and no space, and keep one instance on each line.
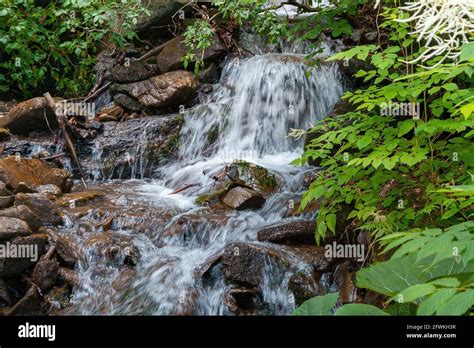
(173,88)
(41,205)
(11,228)
(50,190)
(304,286)
(45,274)
(171,56)
(242,198)
(6,201)
(69,276)
(78,198)
(35,172)
(24,213)
(293,232)
(66,246)
(14,266)
(29,116)
(134,71)
(114,246)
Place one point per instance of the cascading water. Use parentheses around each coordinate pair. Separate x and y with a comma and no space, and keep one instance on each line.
(250,112)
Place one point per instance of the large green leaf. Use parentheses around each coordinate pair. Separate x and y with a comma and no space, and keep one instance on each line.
(393,276)
(360,309)
(432,302)
(319,305)
(459,304)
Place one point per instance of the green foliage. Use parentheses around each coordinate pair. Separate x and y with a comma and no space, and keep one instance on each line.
(55,43)
(197,38)
(431,270)
(390,169)
(319,305)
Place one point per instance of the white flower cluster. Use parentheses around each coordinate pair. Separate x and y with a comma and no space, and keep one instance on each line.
(443,24)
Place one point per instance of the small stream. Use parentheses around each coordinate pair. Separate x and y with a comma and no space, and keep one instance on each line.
(251,110)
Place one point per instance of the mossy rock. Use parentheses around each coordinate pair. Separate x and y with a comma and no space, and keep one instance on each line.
(256,177)
(4,134)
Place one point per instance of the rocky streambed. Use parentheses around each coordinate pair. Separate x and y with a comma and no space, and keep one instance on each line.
(191,204)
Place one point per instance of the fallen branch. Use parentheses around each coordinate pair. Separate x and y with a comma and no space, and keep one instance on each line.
(62,126)
(184,188)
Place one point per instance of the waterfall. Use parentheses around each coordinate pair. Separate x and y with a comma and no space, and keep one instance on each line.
(247,116)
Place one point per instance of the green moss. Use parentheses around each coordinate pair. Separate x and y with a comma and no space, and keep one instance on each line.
(4,134)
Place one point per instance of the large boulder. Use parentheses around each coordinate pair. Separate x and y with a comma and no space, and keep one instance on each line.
(293,232)
(171,56)
(170,89)
(242,198)
(29,116)
(35,172)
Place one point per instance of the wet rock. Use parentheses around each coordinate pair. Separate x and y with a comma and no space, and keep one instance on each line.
(134,71)
(4,134)
(29,116)
(45,274)
(32,246)
(29,305)
(5,294)
(244,262)
(114,246)
(171,56)
(24,213)
(293,232)
(170,89)
(127,102)
(11,228)
(242,198)
(42,206)
(35,172)
(294,208)
(57,299)
(66,246)
(344,281)
(124,280)
(50,190)
(69,276)
(6,201)
(209,74)
(200,226)
(254,176)
(79,198)
(24,187)
(311,255)
(133,148)
(4,191)
(243,301)
(304,287)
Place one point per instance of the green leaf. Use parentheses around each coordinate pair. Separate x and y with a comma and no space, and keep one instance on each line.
(467,52)
(432,302)
(319,305)
(448,282)
(459,304)
(414,292)
(360,309)
(331,222)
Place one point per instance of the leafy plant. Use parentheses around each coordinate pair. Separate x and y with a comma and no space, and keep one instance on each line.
(53,45)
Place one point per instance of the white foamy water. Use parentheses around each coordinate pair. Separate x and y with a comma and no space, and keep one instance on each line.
(251,111)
